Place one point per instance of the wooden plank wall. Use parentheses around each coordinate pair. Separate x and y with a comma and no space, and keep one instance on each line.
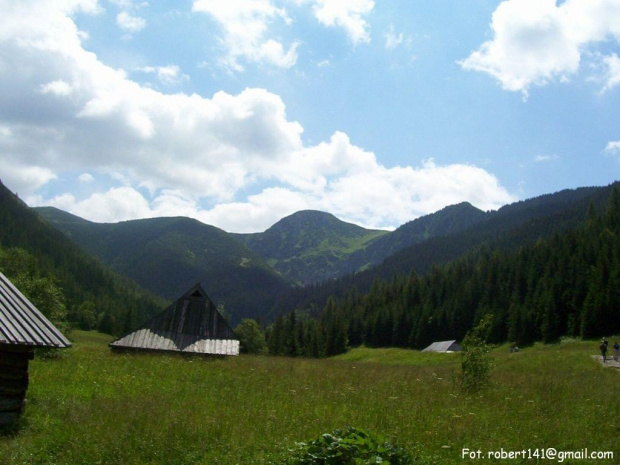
(13,380)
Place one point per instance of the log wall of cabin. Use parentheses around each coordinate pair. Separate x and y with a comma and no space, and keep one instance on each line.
(13,380)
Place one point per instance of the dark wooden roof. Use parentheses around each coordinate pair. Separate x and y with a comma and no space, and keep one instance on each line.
(192,324)
(22,324)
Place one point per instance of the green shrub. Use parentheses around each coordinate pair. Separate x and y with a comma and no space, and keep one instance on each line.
(476,361)
(351,446)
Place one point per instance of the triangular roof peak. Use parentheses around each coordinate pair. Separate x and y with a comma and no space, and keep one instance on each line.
(191,324)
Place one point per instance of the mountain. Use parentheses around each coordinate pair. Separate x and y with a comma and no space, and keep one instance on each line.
(169,255)
(513,226)
(554,275)
(310,246)
(450,220)
(82,278)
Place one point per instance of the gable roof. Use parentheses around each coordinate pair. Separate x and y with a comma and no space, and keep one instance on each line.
(443,346)
(22,324)
(191,324)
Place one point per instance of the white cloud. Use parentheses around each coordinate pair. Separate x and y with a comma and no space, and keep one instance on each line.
(23,178)
(245,24)
(545,158)
(118,204)
(392,40)
(170,75)
(86,178)
(59,87)
(348,14)
(536,42)
(79,115)
(612,73)
(375,197)
(613,147)
(130,23)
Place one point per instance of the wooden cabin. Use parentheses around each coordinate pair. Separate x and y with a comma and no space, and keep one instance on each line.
(191,325)
(443,347)
(22,328)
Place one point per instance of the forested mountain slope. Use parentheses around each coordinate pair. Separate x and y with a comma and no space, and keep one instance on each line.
(310,247)
(510,227)
(562,284)
(87,286)
(169,255)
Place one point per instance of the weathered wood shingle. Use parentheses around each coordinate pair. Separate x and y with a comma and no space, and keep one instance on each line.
(22,324)
(443,346)
(192,324)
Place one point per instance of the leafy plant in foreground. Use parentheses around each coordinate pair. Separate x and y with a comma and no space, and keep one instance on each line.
(351,446)
(476,362)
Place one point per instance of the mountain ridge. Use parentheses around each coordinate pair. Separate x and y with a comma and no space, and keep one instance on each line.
(308,245)
(170,254)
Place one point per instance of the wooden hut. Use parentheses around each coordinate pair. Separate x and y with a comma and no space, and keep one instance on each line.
(191,325)
(22,328)
(443,346)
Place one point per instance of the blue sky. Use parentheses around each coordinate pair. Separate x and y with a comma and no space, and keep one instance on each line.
(240,112)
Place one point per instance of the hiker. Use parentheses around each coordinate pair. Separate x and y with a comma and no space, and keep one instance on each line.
(603,348)
(616,351)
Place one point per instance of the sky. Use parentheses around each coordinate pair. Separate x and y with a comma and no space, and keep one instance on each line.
(241,112)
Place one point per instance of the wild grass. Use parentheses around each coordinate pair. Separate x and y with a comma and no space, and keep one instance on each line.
(96,407)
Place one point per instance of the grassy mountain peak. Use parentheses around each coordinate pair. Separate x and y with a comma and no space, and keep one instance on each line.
(310,246)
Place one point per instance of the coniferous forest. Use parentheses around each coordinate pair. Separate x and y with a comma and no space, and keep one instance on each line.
(556,275)
(564,285)
(64,282)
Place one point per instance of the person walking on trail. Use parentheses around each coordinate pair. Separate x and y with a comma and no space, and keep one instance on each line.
(616,351)
(603,348)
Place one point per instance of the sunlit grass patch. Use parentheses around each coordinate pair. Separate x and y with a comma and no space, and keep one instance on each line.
(94,406)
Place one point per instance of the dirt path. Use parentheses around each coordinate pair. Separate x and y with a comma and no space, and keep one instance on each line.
(609,363)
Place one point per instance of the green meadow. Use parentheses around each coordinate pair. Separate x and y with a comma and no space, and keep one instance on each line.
(92,406)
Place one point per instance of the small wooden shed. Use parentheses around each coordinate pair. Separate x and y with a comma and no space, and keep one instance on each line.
(443,346)
(22,328)
(191,325)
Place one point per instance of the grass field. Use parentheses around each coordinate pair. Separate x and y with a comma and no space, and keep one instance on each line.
(95,407)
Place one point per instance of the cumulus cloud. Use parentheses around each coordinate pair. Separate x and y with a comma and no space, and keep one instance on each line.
(130,23)
(245,24)
(348,14)
(179,154)
(536,42)
(250,27)
(118,204)
(374,197)
(612,72)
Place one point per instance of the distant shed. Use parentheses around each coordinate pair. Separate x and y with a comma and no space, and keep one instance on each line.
(191,325)
(22,328)
(443,346)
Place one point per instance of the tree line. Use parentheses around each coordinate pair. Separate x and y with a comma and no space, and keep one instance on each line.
(564,285)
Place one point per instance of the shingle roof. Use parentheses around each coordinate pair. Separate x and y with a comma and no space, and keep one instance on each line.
(21,323)
(192,324)
(443,346)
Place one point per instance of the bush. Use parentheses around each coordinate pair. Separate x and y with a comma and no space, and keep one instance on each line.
(476,362)
(251,338)
(351,446)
